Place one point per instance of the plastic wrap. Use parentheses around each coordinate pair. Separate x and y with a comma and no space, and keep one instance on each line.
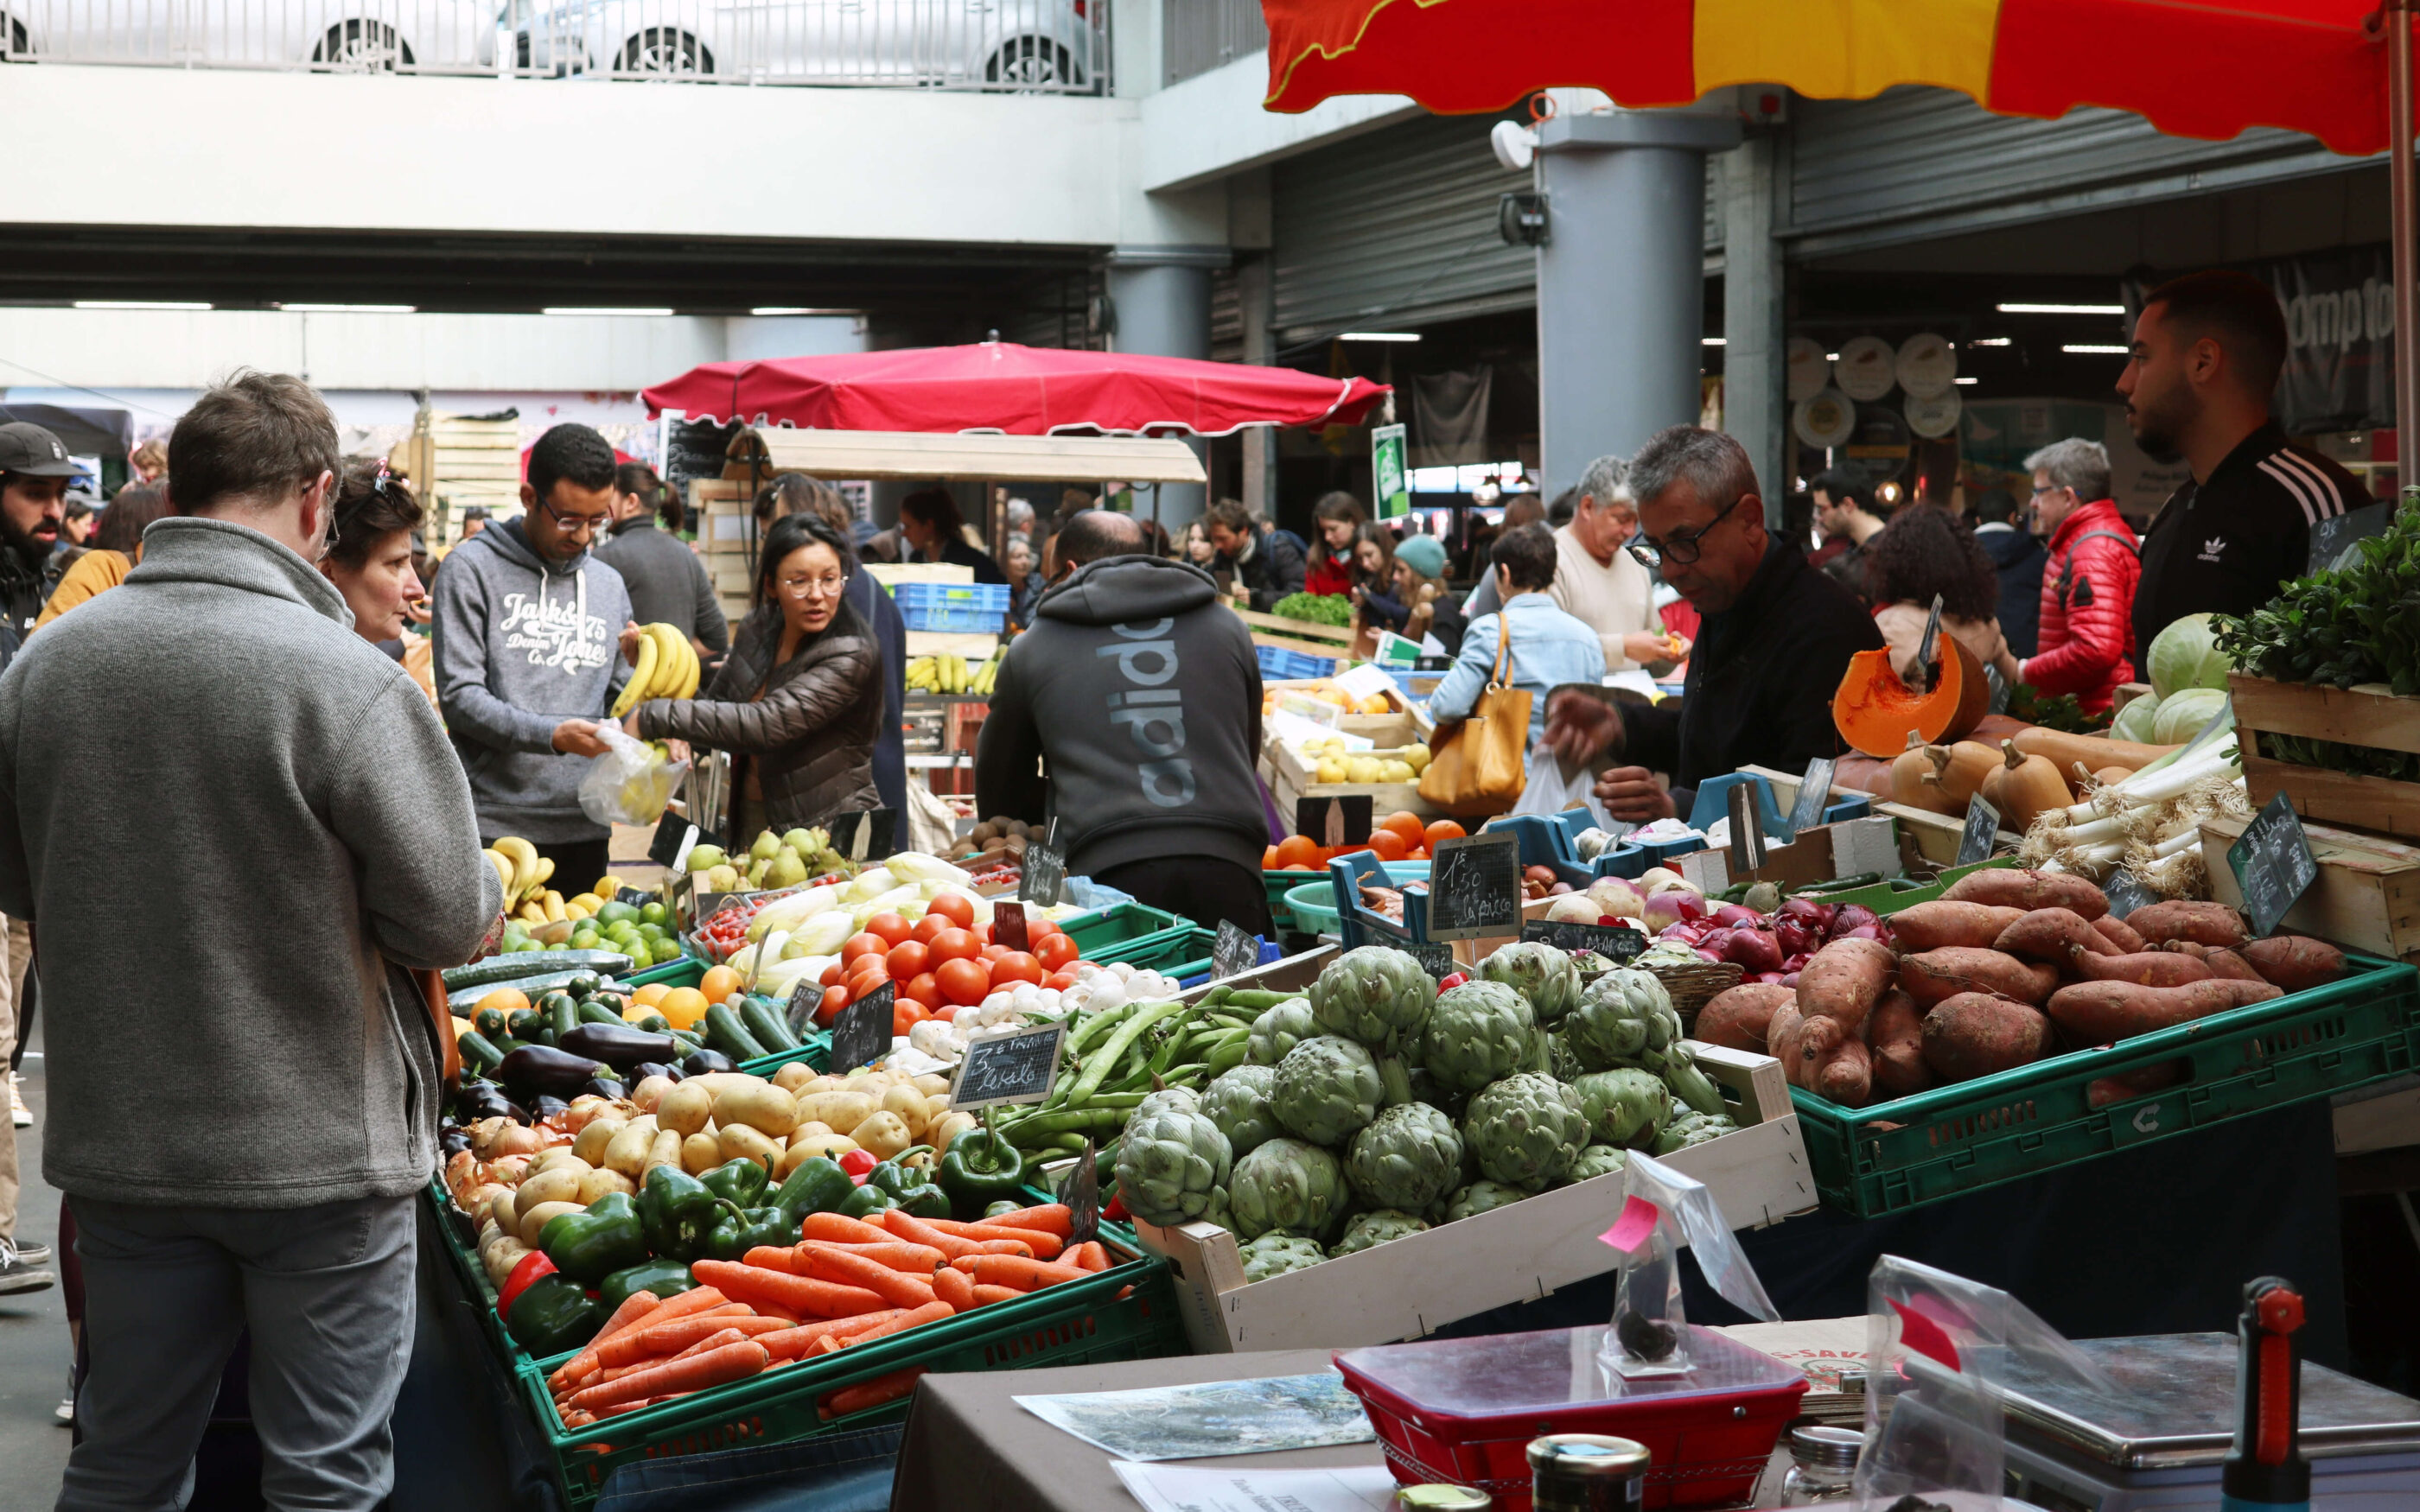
(1662,1212)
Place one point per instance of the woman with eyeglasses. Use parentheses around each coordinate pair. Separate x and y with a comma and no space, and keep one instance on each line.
(800,701)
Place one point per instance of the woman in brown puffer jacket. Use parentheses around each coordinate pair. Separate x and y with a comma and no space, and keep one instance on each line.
(800,701)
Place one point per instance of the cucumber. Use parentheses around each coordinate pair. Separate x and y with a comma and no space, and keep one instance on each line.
(463,999)
(724,1033)
(490,1021)
(595,1010)
(499,970)
(478,1052)
(561,1014)
(656,1023)
(757,1017)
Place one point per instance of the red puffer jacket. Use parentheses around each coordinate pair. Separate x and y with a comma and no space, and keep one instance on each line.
(1327,573)
(2087,608)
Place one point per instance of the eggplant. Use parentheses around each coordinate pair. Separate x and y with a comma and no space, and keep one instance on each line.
(547,1107)
(645,1068)
(604,1087)
(453,1142)
(535,1069)
(617,1044)
(699,1062)
(482,1099)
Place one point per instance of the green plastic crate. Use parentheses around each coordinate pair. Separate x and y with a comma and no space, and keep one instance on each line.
(460,1240)
(1177,953)
(1100,936)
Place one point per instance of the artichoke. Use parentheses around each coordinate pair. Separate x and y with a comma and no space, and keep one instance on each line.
(1279,1029)
(1238,1103)
(1376,997)
(1696,1128)
(1276,1254)
(1286,1186)
(1327,1090)
(1410,1157)
(1627,1107)
(1625,1018)
(1595,1161)
(1377,1227)
(1526,1129)
(1482,1196)
(1538,972)
(1478,1032)
(1172,1161)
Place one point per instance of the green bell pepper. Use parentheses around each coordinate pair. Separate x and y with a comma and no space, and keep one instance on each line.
(665,1278)
(739,1230)
(678,1212)
(739,1180)
(865,1199)
(817,1186)
(910,1185)
(553,1313)
(979,1169)
(591,1245)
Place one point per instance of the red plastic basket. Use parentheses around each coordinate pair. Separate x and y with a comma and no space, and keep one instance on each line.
(1705,1450)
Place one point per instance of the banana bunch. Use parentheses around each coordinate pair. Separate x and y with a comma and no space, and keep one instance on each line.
(667,669)
(949,673)
(524,874)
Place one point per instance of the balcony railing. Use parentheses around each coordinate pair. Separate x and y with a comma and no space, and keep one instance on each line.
(1009,46)
(1197,36)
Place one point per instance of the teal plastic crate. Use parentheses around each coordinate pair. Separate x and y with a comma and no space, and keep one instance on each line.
(1123,926)
(1278,884)
(1178,953)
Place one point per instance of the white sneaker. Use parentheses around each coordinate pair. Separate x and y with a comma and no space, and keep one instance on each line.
(66,1409)
(17,1109)
(16,1275)
(31,1254)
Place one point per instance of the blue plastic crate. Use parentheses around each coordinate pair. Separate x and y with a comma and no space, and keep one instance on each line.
(1283,666)
(971,607)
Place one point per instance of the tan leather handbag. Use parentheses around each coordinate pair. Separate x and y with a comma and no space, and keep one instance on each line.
(1479,767)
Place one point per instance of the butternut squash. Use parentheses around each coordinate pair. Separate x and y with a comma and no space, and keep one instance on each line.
(2024,787)
(2094,751)
(1875,712)
(1959,770)
(1909,784)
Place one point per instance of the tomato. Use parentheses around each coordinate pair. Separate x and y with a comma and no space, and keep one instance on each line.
(862,982)
(924,990)
(832,975)
(963,981)
(928,926)
(1017,965)
(892,927)
(867,943)
(954,944)
(1056,950)
(993,952)
(907,1014)
(946,1012)
(835,998)
(955,907)
(1036,926)
(1059,982)
(905,960)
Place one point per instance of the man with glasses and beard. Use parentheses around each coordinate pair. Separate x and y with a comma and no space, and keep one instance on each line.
(526,631)
(1775,638)
(34,475)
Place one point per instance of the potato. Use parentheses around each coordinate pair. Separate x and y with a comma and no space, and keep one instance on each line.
(2177,920)
(559,1155)
(843,1111)
(500,1210)
(1941,923)
(883,1134)
(534,1222)
(802,1151)
(1895,1035)
(685,1109)
(2295,962)
(701,1153)
(593,1139)
(1738,1017)
(1836,1064)
(822,1082)
(626,1152)
(793,1076)
(2004,888)
(650,1091)
(2104,1012)
(595,1184)
(560,1184)
(763,1107)
(2231,966)
(946,1129)
(809,1131)
(2158,1076)
(739,1139)
(2055,936)
(931,1086)
(665,1150)
(2146,968)
(2120,933)
(910,1105)
(1975,1034)
(1934,975)
(1843,981)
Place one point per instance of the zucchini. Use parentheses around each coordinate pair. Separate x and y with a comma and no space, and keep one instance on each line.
(724,1033)
(463,999)
(499,970)
(757,1017)
(490,1021)
(594,1011)
(478,1052)
(523,1025)
(562,1016)
(655,1024)
(690,1039)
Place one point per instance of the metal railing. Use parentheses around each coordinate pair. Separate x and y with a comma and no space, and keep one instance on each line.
(1011,46)
(1197,36)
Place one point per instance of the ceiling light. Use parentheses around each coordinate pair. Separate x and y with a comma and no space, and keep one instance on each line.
(1990,341)
(588,309)
(1966,380)
(141,304)
(1380,336)
(1831,357)
(2092,349)
(790,309)
(1710,341)
(350,309)
(2062,309)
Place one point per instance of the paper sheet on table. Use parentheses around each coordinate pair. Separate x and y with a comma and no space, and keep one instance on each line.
(1187,1489)
(1211,1419)
(1637,680)
(1365,680)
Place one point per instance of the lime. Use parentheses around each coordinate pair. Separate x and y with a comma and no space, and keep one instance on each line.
(667,950)
(652,913)
(615,913)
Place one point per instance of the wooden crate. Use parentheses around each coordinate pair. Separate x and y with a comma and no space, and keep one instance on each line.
(1932,837)
(1383,729)
(1385,797)
(1414,1286)
(1307,635)
(892,574)
(2367,895)
(2368,715)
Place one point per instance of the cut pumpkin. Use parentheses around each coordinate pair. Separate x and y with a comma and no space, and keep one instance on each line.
(1875,712)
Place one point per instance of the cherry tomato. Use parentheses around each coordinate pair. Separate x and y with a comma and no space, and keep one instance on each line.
(1056,950)
(835,998)
(905,960)
(1059,982)
(858,1161)
(954,944)
(833,973)
(955,907)
(892,927)
(926,990)
(1015,966)
(928,926)
(964,980)
(867,943)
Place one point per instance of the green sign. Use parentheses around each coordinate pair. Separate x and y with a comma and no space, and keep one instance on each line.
(1391,481)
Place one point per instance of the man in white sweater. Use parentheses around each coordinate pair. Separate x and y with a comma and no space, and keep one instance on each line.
(1599,583)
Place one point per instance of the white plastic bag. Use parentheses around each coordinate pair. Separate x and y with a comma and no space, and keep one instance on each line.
(1662,1210)
(1549,791)
(631,784)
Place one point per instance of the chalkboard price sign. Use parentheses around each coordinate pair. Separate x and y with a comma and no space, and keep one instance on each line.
(1614,942)
(1335,823)
(2273,864)
(1008,926)
(2126,895)
(635,897)
(1814,794)
(2331,535)
(1475,888)
(805,999)
(1434,956)
(1008,1067)
(1044,879)
(1237,949)
(1982,827)
(864,834)
(862,1034)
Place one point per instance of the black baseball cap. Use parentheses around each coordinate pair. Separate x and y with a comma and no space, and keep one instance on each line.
(30,451)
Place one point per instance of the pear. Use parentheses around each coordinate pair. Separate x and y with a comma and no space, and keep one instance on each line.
(723,879)
(767,844)
(705,857)
(786,870)
(805,842)
(756,870)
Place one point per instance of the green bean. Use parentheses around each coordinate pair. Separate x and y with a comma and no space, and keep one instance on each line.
(1258,1000)
(1128,1033)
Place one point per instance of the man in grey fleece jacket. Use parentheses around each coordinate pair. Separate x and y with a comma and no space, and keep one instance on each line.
(229,817)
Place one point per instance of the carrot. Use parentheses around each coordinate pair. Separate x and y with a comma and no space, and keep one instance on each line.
(713,1341)
(637,1305)
(793,1342)
(1051,1218)
(868,1394)
(915,1259)
(828,1264)
(1046,1246)
(904,1224)
(620,1407)
(1012,1270)
(578,1420)
(666,1338)
(1004,1246)
(832,1225)
(800,1294)
(732,1362)
(955,1288)
(1090,1255)
(932,1312)
(986,1295)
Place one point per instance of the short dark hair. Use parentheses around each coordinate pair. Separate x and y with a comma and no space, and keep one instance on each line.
(788,535)
(1525,509)
(795,493)
(122,525)
(1844,485)
(1565,505)
(1338,506)
(1097,533)
(936,509)
(1996,506)
(1527,553)
(571,450)
(254,436)
(1234,517)
(2238,309)
(475,511)
(638,478)
(371,504)
(78,507)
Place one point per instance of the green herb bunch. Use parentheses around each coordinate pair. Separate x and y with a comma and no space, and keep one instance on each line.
(2340,629)
(1322,608)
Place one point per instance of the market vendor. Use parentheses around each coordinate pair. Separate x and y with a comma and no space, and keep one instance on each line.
(1776,635)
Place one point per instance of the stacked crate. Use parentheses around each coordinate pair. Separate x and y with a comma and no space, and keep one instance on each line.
(726,539)
(472,462)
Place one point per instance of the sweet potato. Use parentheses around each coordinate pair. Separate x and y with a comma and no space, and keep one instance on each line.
(2175,918)
(1939,924)
(1739,1017)
(1843,980)
(1975,1034)
(2230,966)
(1895,1033)
(1932,976)
(2103,1090)
(1781,1034)
(2104,1012)
(2004,888)
(1821,1057)
(2053,935)
(2146,968)
(2121,934)
(2295,962)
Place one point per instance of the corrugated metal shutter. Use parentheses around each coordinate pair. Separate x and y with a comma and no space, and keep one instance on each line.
(1917,162)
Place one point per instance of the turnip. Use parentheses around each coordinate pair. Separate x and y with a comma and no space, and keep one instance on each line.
(1614,896)
(1574,908)
(1737,915)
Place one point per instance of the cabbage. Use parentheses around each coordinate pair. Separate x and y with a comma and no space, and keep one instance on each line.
(2134,722)
(2185,654)
(2182,716)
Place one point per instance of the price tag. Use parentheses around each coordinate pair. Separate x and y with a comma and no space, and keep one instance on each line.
(1008,926)
(1475,888)
(806,997)
(2273,864)
(634,896)
(864,835)
(1082,1195)
(1044,879)
(1982,827)
(862,1034)
(1238,950)
(1008,1067)
(1336,823)
(1748,834)
(1814,796)
(1434,956)
(2126,895)
(1615,942)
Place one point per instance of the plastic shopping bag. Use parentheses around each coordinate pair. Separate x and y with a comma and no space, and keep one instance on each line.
(631,782)
(1662,1210)
(1551,790)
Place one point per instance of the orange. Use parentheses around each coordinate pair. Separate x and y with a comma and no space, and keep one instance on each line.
(1269,861)
(1387,843)
(1405,824)
(682,1007)
(719,983)
(1297,851)
(505,1000)
(649,996)
(1443,829)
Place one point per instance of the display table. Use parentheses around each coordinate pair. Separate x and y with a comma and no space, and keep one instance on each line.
(968,1445)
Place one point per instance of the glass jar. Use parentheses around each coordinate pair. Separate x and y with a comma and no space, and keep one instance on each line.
(1443,1498)
(1822,1466)
(1587,1473)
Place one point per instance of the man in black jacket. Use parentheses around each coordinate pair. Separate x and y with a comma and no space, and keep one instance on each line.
(1140,695)
(1269,566)
(2018,559)
(34,475)
(668,583)
(1776,637)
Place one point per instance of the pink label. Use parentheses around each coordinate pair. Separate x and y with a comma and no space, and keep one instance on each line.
(1923,1334)
(1631,1229)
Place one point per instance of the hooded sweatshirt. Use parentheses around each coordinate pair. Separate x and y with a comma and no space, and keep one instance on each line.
(522,644)
(1142,695)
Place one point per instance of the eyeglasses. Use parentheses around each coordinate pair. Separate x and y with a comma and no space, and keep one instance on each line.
(828,586)
(574,524)
(1683,548)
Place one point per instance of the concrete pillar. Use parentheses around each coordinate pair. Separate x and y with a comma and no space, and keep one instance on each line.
(1620,280)
(1161,296)
(1755,413)
(1256,294)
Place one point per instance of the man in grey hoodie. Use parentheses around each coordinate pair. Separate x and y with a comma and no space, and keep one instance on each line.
(244,1088)
(526,628)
